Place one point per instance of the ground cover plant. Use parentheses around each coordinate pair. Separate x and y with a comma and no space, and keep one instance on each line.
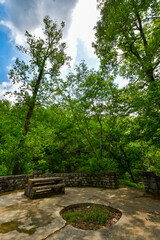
(130,183)
(91,216)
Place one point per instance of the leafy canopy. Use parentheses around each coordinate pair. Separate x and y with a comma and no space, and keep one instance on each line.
(128,38)
(45,58)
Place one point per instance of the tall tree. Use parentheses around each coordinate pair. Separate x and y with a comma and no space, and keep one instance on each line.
(128,44)
(37,78)
(128,38)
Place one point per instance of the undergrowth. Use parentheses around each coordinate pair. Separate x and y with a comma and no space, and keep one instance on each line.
(131,184)
(95,214)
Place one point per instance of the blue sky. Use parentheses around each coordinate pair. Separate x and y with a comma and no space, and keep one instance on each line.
(6,48)
(6,53)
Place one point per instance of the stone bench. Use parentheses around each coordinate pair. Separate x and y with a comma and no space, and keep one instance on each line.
(42,187)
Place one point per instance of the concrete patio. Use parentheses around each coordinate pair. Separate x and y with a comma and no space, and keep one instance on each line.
(25,219)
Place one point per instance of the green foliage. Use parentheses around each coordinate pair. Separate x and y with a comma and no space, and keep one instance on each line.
(84,123)
(127,44)
(127,38)
(71,217)
(95,214)
(37,78)
(46,57)
(131,184)
(3,170)
(91,98)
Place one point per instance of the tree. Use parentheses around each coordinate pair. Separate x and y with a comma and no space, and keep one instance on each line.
(90,97)
(128,38)
(37,78)
(128,44)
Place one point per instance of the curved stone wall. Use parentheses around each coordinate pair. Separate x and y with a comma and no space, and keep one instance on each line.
(17,182)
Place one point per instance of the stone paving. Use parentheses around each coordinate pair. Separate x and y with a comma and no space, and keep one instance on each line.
(25,219)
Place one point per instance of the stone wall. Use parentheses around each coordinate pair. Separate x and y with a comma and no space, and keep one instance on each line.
(151,182)
(17,182)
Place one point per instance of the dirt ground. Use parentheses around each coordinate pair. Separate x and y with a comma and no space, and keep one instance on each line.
(25,219)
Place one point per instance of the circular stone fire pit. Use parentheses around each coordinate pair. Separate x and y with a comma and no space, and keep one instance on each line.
(90,216)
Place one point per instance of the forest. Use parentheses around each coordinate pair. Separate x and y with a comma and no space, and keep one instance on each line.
(84,122)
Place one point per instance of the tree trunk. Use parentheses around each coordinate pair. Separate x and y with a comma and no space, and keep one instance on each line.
(33,101)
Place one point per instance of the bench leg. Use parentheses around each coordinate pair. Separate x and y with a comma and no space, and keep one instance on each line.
(63,190)
(58,190)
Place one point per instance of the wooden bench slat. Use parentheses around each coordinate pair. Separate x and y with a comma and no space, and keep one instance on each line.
(48,186)
(44,186)
(44,191)
(46,183)
(44,179)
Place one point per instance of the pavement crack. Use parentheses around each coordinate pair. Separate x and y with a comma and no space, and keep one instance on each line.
(58,230)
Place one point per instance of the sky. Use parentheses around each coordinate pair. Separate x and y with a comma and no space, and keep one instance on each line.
(16,16)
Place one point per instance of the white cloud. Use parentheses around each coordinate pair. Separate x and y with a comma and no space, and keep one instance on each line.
(8,87)
(84,18)
(16,35)
(2,1)
(80,17)
(28,15)
(13,59)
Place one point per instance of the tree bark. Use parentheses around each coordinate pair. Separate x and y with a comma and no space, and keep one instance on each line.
(33,101)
